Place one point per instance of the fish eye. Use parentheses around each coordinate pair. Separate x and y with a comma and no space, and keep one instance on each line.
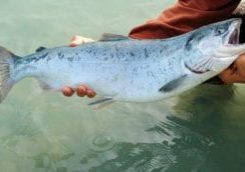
(220,31)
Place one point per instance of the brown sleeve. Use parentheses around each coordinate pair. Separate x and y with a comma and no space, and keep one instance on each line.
(183,17)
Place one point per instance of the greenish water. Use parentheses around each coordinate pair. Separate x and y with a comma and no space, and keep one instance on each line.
(201,130)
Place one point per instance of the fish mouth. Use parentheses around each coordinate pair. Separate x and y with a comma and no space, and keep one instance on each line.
(234,38)
(234,33)
(232,46)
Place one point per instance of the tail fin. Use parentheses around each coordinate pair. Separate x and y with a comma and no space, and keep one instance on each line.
(6,65)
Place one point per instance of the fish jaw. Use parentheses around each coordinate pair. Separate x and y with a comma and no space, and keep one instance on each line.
(231,49)
(231,44)
(219,58)
(234,33)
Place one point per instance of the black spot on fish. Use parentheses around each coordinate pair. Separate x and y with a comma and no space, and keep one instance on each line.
(188,44)
(132,54)
(60,55)
(36,58)
(146,53)
(150,74)
(195,37)
(48,58)
(116,47)
(89,51)
(170,63)
(112,55)
(163,48)
(43,56)
(70,59)
(135,69)
(77,57)
(115,78)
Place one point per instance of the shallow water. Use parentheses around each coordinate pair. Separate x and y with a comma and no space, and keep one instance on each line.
(201,130)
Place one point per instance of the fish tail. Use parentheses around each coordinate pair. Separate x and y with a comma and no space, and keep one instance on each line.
(6,65)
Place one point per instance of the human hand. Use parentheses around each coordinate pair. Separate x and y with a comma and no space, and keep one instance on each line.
(236,72)
(82,90)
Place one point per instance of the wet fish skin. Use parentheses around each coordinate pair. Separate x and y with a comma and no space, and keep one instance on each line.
(124,69)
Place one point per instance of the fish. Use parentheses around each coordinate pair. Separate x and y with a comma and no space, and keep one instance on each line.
(123,69)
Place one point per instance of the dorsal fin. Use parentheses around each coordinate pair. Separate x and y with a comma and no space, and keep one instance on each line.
(40,49)
(112,37)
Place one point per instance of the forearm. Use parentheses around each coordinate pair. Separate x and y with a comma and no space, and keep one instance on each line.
(184,16)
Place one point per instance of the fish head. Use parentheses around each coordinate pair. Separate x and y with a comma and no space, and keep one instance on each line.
(218,44)
(211,37)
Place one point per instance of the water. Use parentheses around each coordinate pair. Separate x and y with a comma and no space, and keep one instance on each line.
(201,130)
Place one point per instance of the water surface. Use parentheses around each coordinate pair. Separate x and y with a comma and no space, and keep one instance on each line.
(201,130)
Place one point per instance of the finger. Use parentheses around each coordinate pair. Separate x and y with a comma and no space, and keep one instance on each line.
(67,91)
(237,79)
(232,77)
(91,93)
(227,76)
(76,40)
(73,38)
(75,43)
(72,44)
(81,91)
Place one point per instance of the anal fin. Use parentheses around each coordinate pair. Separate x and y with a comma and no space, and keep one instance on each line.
(98,104)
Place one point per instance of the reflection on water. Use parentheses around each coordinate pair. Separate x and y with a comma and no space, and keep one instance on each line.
(201,130)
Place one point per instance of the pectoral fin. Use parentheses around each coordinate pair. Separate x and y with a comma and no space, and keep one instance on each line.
(174,84)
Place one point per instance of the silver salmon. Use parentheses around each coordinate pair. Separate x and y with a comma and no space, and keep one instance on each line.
(119,68)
